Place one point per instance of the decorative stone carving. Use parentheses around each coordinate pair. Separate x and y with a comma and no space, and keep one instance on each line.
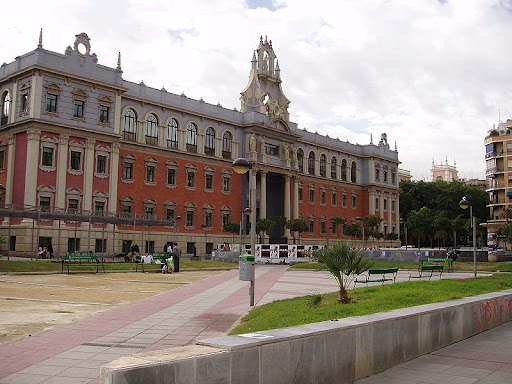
(252,143)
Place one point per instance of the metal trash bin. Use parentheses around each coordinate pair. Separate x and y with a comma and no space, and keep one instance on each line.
(246,267)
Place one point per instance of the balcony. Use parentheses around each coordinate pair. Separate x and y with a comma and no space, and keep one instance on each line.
(494,154)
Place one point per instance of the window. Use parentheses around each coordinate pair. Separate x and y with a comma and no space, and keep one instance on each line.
(152,130)
(104,114)
(101,164)
(24,103)
(344,200)
(226,184)
(377,201)
(311,196)
(300,159)
(171,176)
(191,179)
(209,143)
(99,207)
(190,247)
(301,194)
(47,157)
(189,219)
(170,213)
(130,125)
(226,218)
(354,201)
(271,149)
(6,108)
(323,227)
(385,176)
(344,170)
(311,163)
(2,159)
(312,226)
(149,212)
(334,198)
(393,178)
(323,197)
(334,165)
(73,244)
(51,103)
(128,171)
(45,203)
(208,219)
(208,181)
(191,137)
(385,204)
(377,174)
(126,206)
(172,134)
(393,205)
(353,172)
(100,246)
(150,246)
(150,173)
(227,144)
(73,205)
(75,161)
(78,108)
(323,166)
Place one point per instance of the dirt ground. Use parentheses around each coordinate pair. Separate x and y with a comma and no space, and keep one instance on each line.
(32,303)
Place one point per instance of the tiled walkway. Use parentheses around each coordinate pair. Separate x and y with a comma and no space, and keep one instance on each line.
(209,308)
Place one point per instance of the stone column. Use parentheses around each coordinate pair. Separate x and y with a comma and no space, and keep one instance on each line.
(11,151)
(114,174)
(287,211)
(34,137)
(89,173)
(36,96)
(295,197)
(62,170)
(263,194)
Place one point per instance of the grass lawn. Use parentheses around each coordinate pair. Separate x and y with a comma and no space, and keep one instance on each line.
(305,310)
(14,265)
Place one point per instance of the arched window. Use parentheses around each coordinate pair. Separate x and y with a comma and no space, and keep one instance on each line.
(152,129)
(6,108)
(172,134)
(300,159)
(130,125)
(334,165)
(323,166)
(209,142)
(344,170)
(311,163)
(191,137)
(227,144)
(353,172)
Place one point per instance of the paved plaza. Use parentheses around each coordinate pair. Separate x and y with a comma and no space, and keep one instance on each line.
(209,308)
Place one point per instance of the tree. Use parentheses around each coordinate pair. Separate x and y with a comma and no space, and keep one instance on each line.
(343,262)
(371,224)
(262,226)
(420,221)
(297,225)
(352,230)
(233,228)
(336,220)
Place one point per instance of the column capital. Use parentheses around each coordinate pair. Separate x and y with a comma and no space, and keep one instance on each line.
(34,134)
(64,139)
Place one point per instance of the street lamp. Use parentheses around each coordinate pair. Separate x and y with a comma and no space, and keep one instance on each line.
(176,230)
(360,221)
(241,166)
(464,204)
(402,221)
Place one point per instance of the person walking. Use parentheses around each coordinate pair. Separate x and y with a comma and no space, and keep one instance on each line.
(176,255)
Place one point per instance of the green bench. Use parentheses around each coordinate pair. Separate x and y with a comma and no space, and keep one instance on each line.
(448,260)
(427,271)
(156,256)
(77,257)
(377,276)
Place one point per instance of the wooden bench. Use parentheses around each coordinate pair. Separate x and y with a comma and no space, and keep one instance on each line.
(77,257)
(448,260)
(427,271)
(156,256)
(377,276)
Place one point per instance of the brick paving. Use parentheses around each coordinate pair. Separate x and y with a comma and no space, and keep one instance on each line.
(209,308)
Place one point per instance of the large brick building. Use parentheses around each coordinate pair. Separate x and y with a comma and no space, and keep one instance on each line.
(77,138)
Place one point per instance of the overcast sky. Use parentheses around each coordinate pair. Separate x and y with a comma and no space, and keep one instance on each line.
(434,75)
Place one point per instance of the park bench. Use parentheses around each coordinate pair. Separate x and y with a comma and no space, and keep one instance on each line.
(448,260)
(156,256)
(77,257)
(427,271)
(377,276)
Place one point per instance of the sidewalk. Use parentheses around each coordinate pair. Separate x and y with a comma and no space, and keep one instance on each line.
(208,308)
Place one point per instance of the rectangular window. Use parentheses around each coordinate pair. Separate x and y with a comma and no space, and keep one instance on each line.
(150,173)
(323,198)
(209,182)
(393,178)
(344,200)
(127,210)
(311,195)
(101,164)
(385,176)
(334,198)
(191,179)
(377,203)
(45,203)
(377,175)
(149,212)
(104,114)
(271,149)
(128,171)
(78,108)
(393,205)
(169,214)
(322,227)
(73,205)
(150,246)
(99,207)
(100,246)
(385,204)
(354,201)
(51,103)
(226,218)
(301,195)
(226,184)
(190,247)
(208,219)
(171,176)
(73,244)
(75,160)
(12,243)
(24,102)
(2,159)
(189,220)
(311,226)
(47,157)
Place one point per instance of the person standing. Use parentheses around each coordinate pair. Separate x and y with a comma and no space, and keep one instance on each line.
(50,249)
(176,255)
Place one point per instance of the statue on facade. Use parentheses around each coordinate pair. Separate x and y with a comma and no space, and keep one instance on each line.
(252,143)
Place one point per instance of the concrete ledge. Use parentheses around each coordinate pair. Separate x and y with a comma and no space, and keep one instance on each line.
(339,351)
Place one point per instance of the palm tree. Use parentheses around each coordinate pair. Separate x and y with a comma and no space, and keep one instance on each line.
(343,262)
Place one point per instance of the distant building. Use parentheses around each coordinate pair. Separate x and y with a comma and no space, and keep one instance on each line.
(404,175)
(444,172)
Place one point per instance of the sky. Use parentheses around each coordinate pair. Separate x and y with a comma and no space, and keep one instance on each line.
(432,74)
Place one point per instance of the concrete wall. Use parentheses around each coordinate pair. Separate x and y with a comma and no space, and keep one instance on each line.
(337,351)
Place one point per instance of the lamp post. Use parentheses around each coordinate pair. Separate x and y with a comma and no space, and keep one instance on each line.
(464,204)
(402,221)
(360,221)
(2,194)
(176,229)
(241,166)
(205,239)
